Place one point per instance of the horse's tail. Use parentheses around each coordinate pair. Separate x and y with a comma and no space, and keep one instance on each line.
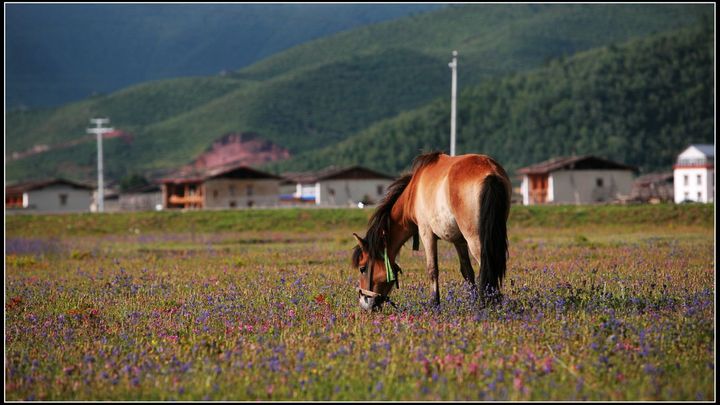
(494,210)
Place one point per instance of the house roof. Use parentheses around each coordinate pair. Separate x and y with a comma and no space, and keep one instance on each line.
(39,184)
(706,149)
(587,162)
(234,171)
(650,178)
(148,188)
(335,173)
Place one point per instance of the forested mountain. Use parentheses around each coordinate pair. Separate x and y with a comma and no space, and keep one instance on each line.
(58,53)
(639,103)
(324,93)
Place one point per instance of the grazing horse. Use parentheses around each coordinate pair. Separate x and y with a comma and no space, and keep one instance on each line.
(462,199)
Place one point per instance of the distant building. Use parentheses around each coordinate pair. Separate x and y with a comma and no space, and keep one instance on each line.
(694,173)
(335,187)
(653,188)
(576,180)
(233,186)
(144,198)
(52,195)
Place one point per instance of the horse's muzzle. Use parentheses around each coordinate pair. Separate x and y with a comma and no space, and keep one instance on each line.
(369,303)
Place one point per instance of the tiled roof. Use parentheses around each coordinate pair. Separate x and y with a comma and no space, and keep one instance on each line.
(38,184)
(233,170)
(706,149)
(574,163)
(332,172)
(655,178)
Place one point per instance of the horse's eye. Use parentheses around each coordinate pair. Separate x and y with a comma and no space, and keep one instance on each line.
(362,269)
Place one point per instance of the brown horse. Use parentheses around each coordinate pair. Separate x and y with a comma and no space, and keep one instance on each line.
(463,199)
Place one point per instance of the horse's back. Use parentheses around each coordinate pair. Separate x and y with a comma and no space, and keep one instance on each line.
(449,192)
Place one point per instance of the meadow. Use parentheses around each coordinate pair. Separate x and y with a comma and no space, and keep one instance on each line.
(600,303)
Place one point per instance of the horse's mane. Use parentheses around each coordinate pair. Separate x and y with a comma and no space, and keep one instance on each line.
(379,221)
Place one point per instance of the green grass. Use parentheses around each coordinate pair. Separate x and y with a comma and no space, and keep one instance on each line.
(592,310)
(307,220)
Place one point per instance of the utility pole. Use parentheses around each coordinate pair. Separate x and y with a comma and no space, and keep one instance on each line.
(100,131)
(453,106)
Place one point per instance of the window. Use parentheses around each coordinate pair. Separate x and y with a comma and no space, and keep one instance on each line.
(216,194)
(249,190)
(599,182)
(380,189)
(699,196)
(686,180)
(232,190)
(63,199)
(699,180)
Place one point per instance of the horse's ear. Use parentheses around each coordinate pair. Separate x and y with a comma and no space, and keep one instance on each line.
(361,242)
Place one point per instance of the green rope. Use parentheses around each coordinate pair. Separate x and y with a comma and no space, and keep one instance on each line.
(388,268)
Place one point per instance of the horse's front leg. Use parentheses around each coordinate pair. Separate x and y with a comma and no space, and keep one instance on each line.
(429,241)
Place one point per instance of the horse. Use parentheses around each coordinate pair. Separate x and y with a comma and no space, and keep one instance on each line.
(461,199)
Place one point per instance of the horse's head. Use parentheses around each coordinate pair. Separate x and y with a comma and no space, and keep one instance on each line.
(374,283)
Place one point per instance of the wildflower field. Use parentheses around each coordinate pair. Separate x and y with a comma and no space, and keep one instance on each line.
(600,303)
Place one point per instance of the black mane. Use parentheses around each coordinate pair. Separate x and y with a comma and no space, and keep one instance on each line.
(380,219)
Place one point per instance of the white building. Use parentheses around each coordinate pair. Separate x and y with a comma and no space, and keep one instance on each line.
(53,195)
(576,180)
(335,187)
(694,174)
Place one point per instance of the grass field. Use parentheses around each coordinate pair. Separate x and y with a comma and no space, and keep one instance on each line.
(601,303)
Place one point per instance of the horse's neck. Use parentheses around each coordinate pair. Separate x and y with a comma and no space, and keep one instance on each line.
(402,226)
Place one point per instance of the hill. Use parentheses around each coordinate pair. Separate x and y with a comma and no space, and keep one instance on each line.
(58,53)
(640,103)
(323,92)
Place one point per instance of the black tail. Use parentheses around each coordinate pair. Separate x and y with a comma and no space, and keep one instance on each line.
(494,210)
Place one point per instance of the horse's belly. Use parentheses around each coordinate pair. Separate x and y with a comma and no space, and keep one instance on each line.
(442,222)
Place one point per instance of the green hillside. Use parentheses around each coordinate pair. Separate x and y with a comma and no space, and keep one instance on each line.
(58,53)
(640,103)
(325,91)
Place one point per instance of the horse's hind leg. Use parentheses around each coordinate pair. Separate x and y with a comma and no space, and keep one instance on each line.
(487,294)
(465,263)
(429,241)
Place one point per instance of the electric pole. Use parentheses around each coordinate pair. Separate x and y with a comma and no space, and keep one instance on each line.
(453,106)
(100,131)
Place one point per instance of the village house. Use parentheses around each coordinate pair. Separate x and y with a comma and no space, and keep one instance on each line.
(48,196)
(230,186)
(143,198)
(576,180)
(694,174)
(335,187)
(653,188)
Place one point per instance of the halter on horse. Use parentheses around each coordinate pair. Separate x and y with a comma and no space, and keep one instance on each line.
(463,199)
